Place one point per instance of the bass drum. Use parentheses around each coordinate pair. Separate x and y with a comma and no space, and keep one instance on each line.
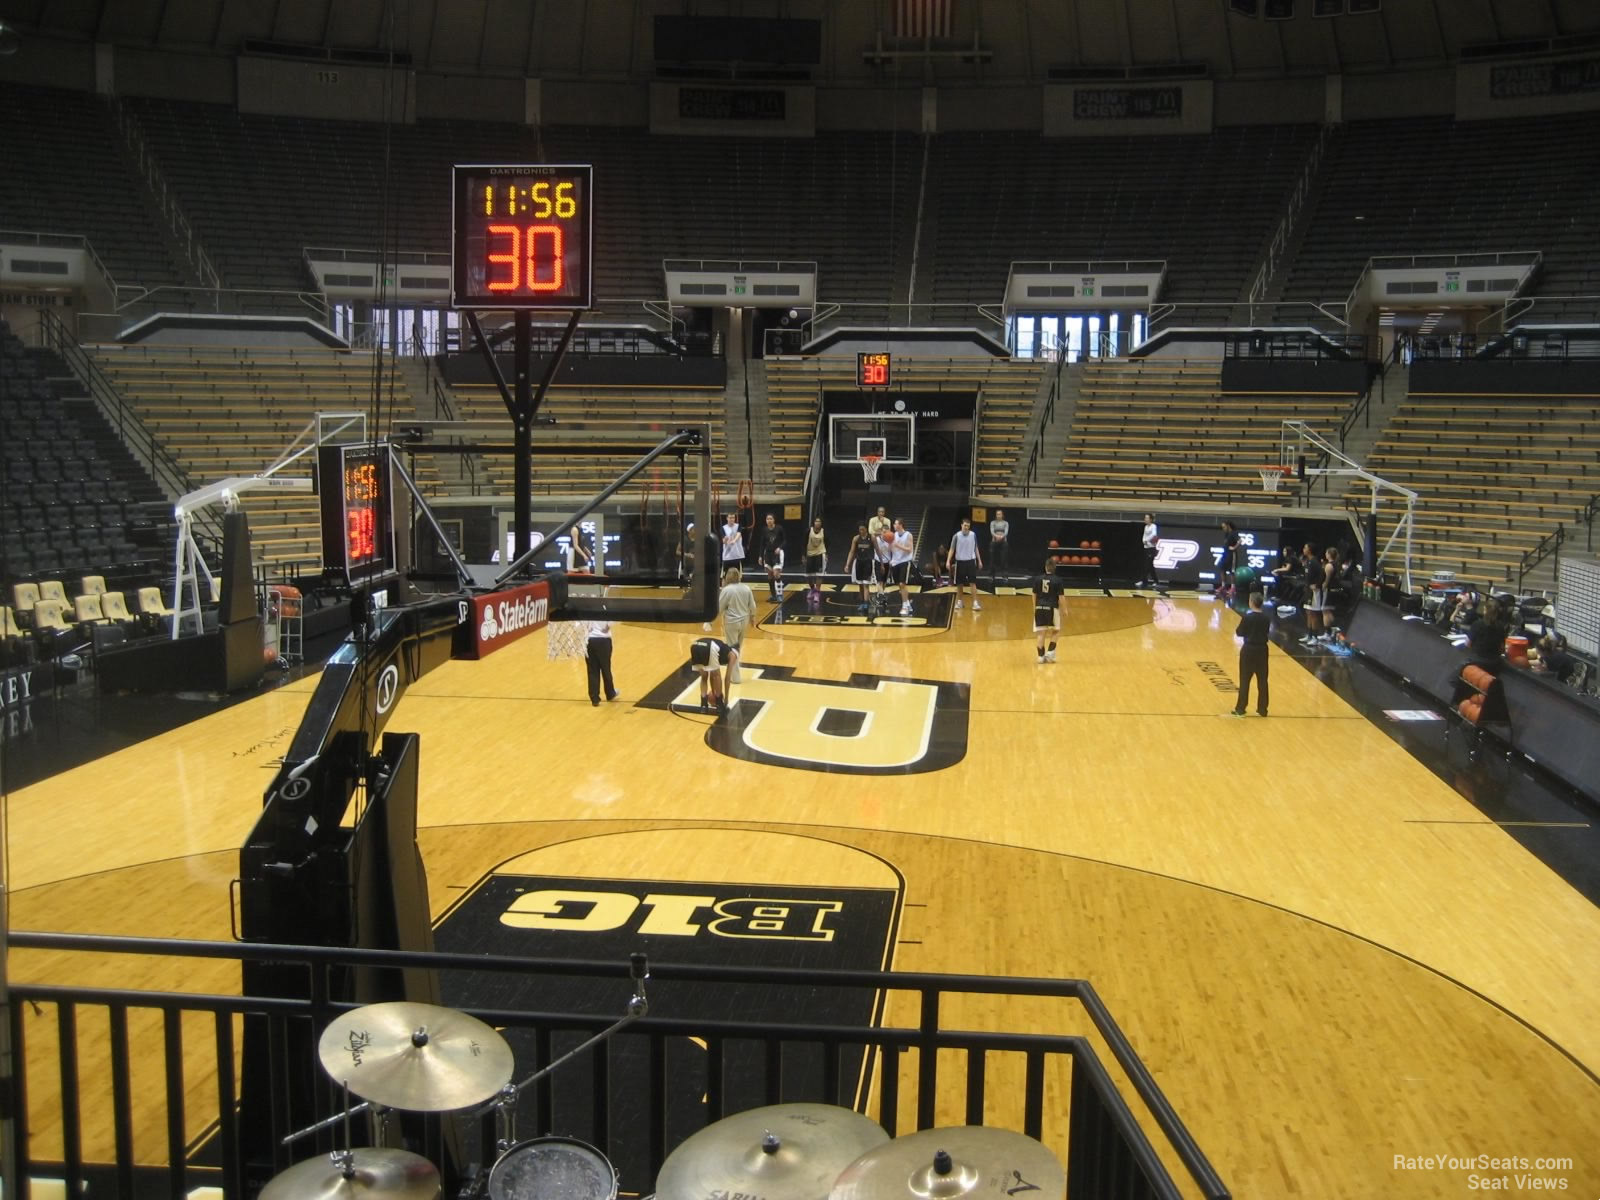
(552,1168)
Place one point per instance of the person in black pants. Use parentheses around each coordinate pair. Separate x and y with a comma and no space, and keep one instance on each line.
(1253,628)
(597,659)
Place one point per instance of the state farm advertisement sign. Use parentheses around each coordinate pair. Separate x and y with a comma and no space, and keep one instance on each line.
(500,618)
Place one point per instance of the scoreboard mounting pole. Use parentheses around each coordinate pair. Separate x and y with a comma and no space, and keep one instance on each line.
(522,239)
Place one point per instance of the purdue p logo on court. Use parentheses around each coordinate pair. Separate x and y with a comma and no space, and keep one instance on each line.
(864,725)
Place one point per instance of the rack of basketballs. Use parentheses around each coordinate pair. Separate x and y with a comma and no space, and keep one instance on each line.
(1085,558)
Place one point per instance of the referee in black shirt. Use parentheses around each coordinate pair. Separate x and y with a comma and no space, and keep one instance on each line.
(1253,628)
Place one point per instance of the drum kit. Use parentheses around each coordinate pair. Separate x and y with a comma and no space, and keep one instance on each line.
(414,1057)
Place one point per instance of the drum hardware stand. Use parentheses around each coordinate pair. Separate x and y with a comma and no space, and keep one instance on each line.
(380,1128)
(504,1106)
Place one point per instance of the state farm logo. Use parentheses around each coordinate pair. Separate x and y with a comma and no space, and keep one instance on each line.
(500,618)
(513,616)
(1173,551)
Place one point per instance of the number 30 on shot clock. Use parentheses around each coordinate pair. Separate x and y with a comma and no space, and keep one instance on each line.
(522,236)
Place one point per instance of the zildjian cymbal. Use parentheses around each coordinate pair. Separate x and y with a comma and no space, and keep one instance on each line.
(784,1152)
(959,1160)
(415,1057)
(375,1173)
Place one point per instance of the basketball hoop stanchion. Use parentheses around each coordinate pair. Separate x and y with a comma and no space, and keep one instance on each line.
(1271,477)
(869,467)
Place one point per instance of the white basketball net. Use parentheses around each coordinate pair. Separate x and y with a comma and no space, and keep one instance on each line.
(869,467)
(564,639)
(1271,477)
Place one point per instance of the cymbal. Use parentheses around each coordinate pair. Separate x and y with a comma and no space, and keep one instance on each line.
(783,1152)
(376,1174)
(958,1160)
(415,1057)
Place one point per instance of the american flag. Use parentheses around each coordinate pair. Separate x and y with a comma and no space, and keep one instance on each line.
(922,18)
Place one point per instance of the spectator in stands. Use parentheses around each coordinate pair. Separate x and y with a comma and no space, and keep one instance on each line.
(1463,613)
(1555,659)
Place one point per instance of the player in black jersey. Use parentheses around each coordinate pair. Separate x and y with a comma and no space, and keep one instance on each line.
(1048,603)
(772,540)
(858,564)
(709,657)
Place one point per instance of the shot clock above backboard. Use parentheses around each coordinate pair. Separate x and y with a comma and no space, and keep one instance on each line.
(872,370)
(522,237)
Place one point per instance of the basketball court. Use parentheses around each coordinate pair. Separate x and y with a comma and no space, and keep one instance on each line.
(1331,961)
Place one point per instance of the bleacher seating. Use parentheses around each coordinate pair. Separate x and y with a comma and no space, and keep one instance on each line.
(68,176)
(1205,204)
(1494,476)
(625,409)
(225,411)
(1431,185)
(1147,431)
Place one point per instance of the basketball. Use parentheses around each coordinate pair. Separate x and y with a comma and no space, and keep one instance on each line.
(1083,545)
(1094,545)
(1094,560)
(1054,544)
(887,534)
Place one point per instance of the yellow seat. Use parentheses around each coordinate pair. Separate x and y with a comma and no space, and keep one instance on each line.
(8,623)
(24,596)
(87,611)
(50,615)
(115,607)
(53,589)
(92,585)
(151,604)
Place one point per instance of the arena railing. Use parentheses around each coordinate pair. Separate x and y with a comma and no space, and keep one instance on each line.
(1107,1149)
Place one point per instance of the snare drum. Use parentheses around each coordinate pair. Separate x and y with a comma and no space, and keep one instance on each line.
(552,1168)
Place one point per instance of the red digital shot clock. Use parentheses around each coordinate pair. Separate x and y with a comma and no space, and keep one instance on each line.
(872,370)
(522,236)
(357,510)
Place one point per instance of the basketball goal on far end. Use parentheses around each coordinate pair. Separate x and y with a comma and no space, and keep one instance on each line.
(1272,474)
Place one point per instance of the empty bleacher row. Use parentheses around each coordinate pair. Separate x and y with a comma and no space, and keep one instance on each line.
(1494,476)
(1431,185)
(1006,391)
(73,498)
(68,176)
(649,411)
(1207,204)
(224,411)
(1148,431)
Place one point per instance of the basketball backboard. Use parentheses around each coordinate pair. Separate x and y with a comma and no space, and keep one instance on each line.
(892,436)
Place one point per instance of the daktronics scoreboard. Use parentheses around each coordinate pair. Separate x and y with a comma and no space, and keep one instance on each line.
(1188,554)
(522,236)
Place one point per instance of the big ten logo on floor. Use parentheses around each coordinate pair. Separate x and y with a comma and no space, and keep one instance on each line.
(674,914)
(1218,676)
(864,725)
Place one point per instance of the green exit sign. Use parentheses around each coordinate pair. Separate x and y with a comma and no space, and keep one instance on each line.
(1452,285)
(1088,291)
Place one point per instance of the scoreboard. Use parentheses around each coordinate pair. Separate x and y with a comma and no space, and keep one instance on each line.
(873,370)
(522,236)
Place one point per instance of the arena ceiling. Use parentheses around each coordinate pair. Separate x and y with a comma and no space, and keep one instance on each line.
(1020,40)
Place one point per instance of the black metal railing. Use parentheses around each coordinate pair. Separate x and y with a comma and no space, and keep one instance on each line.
(1064,1097)
(1549,545)
(1586,516)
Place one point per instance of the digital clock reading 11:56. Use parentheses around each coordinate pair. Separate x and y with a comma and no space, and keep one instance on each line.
(522,236)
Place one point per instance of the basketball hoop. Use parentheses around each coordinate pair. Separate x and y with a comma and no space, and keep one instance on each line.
(1271,477)
(869,467)
(565,639)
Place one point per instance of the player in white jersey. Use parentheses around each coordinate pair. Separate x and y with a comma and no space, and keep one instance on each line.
(902,549)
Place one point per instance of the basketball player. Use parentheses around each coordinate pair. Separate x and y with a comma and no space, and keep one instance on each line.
(772,557)
(1048,603)
(858,563)
(707,658)
(736,605)
(732,543)
(1151,541)
(1253,629)
(816,557)
(882,556)
(573,555)
(902,549)
(965,562)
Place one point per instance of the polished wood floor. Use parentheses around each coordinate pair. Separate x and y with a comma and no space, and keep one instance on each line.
(1330,961)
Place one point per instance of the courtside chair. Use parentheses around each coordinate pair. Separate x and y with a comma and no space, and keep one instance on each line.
(92,585)
(153,610)
(23,597)
(54,589)
(51,632)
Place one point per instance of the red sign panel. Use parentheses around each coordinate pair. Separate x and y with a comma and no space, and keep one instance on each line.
(500,618)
